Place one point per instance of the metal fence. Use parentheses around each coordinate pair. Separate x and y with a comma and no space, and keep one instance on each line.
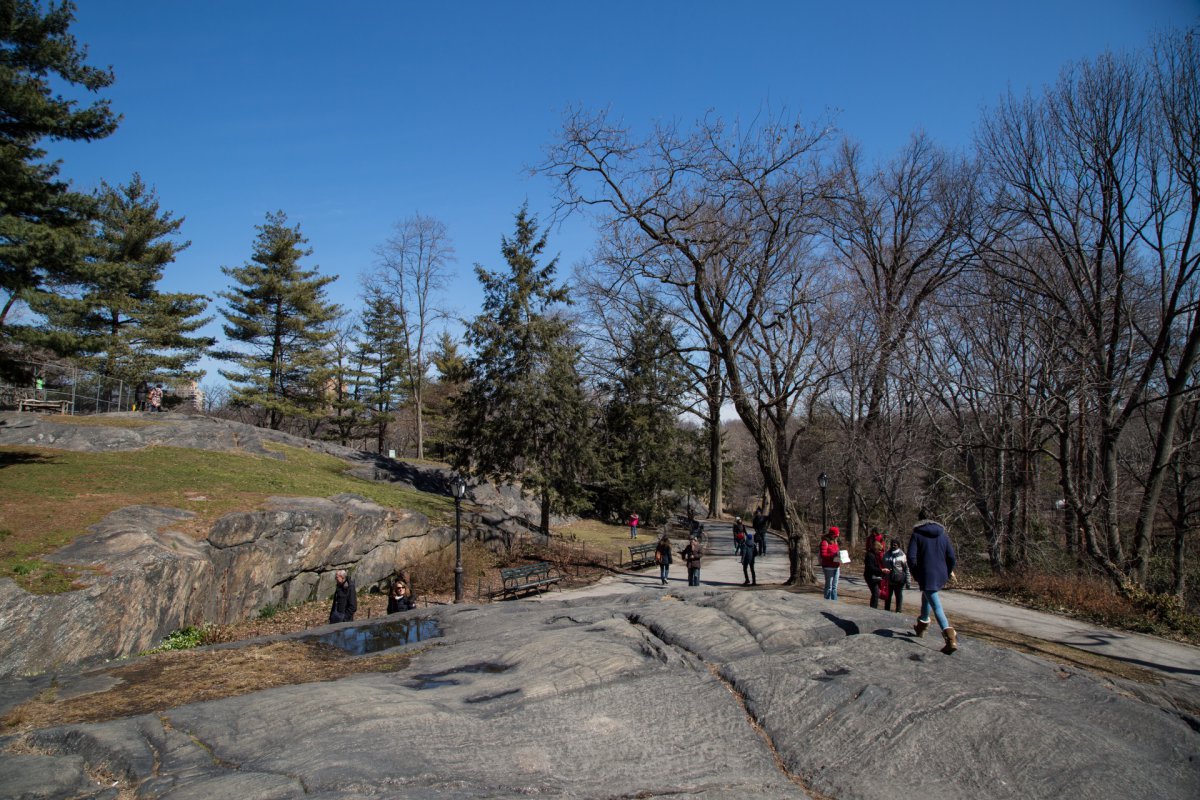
(84,392)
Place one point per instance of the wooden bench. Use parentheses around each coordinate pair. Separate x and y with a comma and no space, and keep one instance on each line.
(642,555)
(30,404)
(516,581)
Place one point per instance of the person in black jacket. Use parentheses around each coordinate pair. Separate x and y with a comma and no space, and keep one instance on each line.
(399,598)
(345,601)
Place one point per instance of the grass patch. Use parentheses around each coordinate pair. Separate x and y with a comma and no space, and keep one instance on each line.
(49,497)
(105,421)
(611,539)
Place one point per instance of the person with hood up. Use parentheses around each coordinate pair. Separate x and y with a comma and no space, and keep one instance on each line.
(831,561)
(931,561)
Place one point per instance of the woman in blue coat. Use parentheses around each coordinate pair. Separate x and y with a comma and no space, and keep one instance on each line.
(931,561)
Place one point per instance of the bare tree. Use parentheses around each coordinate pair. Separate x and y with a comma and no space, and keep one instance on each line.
(900,233)
(413,265)
(1102,171)
(719,213)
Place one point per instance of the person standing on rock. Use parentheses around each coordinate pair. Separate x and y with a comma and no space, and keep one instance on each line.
(873,569)
(345,601)
(931,559)
(895,565)
(691,556)
(662,557)
(831,561)
(749,553)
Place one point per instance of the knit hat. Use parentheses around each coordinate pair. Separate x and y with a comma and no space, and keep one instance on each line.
(834,532)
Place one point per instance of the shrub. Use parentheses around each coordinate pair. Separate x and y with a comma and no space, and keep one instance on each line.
(183,639)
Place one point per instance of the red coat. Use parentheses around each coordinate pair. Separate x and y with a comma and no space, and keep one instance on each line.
(830,550)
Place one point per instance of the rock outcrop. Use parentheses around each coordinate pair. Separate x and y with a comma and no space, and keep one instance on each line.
(145,580)
(704,693)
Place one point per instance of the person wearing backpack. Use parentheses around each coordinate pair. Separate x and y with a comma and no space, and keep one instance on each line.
(895,567)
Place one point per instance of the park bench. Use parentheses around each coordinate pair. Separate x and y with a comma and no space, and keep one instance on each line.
(516,581)
(30,404)
(642,555)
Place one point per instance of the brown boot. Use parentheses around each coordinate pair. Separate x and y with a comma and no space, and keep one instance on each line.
(920,627)
(951,641)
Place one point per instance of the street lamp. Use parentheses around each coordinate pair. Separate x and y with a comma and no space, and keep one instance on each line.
(458,487)
(823,482)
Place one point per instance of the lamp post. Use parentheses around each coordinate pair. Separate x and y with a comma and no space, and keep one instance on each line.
(458,487)
(823,482)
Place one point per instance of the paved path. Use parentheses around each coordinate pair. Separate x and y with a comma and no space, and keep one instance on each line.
(721,569)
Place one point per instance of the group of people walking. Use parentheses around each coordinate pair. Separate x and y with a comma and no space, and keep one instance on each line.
(930,560)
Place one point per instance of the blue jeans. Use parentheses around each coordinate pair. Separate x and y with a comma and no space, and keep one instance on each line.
(931,600)
(831,580)
(693,576)
(663,571)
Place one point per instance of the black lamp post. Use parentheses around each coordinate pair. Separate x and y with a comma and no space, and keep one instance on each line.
(823,482)
(458,487)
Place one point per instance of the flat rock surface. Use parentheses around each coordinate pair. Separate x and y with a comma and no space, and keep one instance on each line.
(705,691)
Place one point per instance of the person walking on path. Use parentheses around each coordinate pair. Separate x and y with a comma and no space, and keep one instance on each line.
(662,557)
(345,600)
(831,562)
(873,569)
(749,552)
(760,530)
(633,525)
(739,535)
(931,559)
(895,566)
(691,556)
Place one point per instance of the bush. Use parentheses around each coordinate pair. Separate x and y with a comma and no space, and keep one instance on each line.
(183,639)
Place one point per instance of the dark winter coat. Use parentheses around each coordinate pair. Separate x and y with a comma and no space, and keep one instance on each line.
(663,553)
(395,604)
(691,554)
(931,556)
(345,602)
(872,564)
(748,552)
(759,524)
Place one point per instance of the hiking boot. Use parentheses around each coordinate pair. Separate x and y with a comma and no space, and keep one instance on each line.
(920,627)
(951,641)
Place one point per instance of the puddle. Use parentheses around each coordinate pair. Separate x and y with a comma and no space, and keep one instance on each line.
(432,680)
(373,638)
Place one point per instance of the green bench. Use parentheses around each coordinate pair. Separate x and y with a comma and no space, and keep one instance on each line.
(516,581)
(641,555)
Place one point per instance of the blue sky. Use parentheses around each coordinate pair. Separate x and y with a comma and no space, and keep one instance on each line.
(351,116)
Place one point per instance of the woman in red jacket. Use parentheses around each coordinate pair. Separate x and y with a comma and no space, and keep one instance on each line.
(831,561)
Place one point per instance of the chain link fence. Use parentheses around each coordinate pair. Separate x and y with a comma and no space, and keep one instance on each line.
(83,392)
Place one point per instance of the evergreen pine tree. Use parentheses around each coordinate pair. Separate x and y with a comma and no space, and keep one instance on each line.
(113,318)
(279,312)
(381,354)
(42,222)
(524,414)
(644,442)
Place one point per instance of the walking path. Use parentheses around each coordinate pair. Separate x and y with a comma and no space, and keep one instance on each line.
(721,568)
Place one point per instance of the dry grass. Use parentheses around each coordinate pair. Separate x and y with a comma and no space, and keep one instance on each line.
(155,683)
(1093,599)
